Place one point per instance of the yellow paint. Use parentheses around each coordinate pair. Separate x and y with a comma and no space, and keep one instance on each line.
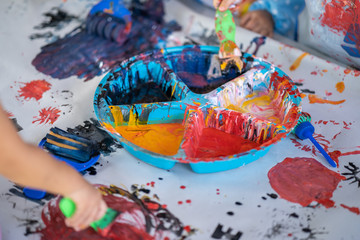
(61,145)
(340,87)
(173,90)
(297,62)
(65,138)
(315,99)
(260,105)
(163,139)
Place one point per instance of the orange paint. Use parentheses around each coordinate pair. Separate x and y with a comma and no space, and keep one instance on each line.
(347,71)
(297,62)
(163,139)
(340,87)
(315,99)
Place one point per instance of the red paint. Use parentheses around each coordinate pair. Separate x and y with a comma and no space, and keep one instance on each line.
(188,201)
(214,143)
(49,115)
(182,187)
(355,210)
(34,89)
(304,180)
(218,134)
(135,222)
(187,228)
(313,73)
(180,202)
(339,15)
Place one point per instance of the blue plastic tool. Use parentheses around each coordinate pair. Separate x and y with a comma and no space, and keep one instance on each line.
(306,130)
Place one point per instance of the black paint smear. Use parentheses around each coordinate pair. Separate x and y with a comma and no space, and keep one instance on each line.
(93,131)
(264,198)
(17,126)
(91,171)
(298,84)
(274,231)
(272,195)
(56,18)
(146,93)
(294,215)
(136,190)
(18,191)
(353,174)
(31,226)
(238,203)
(307,91)
(219,234)
(45,35)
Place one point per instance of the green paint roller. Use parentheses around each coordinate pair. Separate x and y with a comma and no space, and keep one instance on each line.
(102,226)
(229,53)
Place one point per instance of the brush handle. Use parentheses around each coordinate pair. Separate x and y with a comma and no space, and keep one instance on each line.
(323,152)
(67,207)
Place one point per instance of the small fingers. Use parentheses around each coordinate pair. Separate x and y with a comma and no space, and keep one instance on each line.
(225,4)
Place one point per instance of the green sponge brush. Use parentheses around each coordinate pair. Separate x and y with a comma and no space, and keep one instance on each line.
(102,226)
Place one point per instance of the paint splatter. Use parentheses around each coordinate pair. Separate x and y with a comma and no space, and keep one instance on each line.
(34,89)
(316,99)
(340,87)
(304,180)
(47,115)
(16,124)
(56,18)
(258,42)
(353,175)
(355,210)
(87,55)
(297,62)
(339,15)
(220,234)
(139,219)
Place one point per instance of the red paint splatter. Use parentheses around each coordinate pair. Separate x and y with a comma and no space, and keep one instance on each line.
(304,180)
(180,202)
(339,15)
(34,89)
(182,187)
(313,73)
(188,201)
(49,115)
(355,210)
(187,228)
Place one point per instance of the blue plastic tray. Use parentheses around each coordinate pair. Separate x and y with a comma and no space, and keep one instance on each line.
(195,89)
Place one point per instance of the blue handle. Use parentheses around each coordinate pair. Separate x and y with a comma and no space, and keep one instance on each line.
(327,157)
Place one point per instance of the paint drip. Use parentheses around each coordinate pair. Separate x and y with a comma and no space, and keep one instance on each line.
(303,181)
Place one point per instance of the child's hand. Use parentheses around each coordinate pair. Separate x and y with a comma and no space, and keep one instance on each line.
(259,21)
(89,207)
(223,5)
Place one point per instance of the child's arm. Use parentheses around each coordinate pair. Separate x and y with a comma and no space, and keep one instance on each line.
(30,166)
